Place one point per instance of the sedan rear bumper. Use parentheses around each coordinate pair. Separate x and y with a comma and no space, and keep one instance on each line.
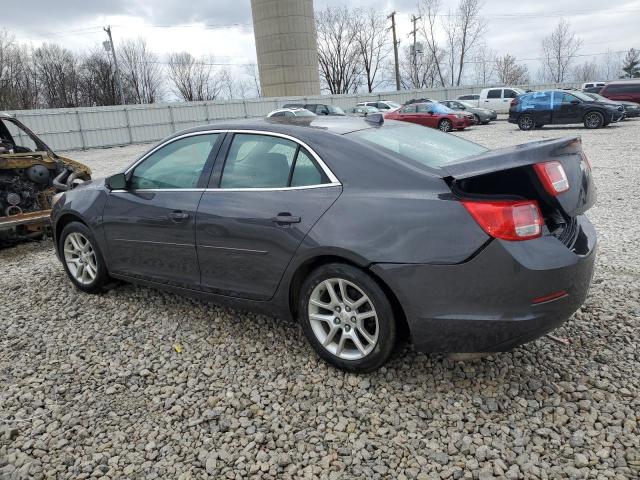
(496,300)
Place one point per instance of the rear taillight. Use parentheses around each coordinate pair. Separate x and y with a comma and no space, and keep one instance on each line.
(507,220)
(553,177)
(514,102)
(585,160)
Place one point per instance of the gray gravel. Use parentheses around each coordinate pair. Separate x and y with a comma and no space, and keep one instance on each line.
(94,387)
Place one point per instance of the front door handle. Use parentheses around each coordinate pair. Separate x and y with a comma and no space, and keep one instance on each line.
(286,218)
(178,216)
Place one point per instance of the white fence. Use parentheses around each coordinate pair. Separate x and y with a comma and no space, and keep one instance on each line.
(94,127)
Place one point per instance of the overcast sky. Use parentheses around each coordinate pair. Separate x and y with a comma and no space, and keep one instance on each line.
(513,27)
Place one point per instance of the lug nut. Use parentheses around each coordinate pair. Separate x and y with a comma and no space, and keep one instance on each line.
(336,321)
(347,328)
(348,309)
(353,319)
(337,309)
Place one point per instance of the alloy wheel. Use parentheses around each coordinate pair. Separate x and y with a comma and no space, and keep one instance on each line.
(343,319)
(445,125)
(80,258)
(526,122)
(593,120)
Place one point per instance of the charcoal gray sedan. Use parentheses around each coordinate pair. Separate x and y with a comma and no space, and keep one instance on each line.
(366,232)
(481,115)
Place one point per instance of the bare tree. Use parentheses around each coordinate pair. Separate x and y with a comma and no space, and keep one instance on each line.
(141,73)
(371,37)
(586,71)
(611,65)
(509,72)
(429,11)
(97,79)
(253,72)
(470,28)
(421,74)
(338,52)
(192,79)
(57,75)
(484,64)
(559,49)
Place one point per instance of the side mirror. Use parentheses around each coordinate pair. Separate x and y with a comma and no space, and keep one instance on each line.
(117,182)
(430,112)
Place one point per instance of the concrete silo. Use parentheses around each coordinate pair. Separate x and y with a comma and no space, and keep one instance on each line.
(286,47)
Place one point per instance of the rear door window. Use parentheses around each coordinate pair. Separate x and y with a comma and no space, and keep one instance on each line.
(508,93)
(495,93)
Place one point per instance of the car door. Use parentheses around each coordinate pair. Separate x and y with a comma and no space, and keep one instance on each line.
(266,193)
(493,99)
(408,114)
(150,226)
(566,108)
(426,116)
(507,96)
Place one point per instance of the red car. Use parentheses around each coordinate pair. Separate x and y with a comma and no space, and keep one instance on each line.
(434,115)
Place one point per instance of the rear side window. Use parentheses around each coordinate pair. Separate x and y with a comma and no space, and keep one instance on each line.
(409,109)
(425,146)
(495,93)
(537,100)
(264,161)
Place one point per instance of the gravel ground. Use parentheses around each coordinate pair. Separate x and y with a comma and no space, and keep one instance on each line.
(137,383)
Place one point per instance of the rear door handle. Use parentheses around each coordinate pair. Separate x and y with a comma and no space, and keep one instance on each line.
(286,218)
(178,216)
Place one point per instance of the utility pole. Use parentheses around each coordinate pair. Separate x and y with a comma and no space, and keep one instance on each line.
(414,57)
(115,64)
(392,16)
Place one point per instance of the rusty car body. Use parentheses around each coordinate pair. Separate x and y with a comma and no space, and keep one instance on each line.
(30,175)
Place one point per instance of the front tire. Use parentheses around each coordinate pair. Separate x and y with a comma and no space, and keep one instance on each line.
(477,119)
(82,258)
(445,125)
(525,122)
(347,318)
(593,120)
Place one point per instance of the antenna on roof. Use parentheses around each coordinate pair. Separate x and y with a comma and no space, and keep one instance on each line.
(374,118)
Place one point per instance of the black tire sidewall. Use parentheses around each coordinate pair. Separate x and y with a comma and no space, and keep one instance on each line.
(386,322)
(477,119)
(600,125)
(102,276)
(445,121)
(521,127)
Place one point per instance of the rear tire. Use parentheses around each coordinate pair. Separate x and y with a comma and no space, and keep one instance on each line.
(477,119)
(593,120)
(525,122)
(445,125)
(353,328)
(82,258)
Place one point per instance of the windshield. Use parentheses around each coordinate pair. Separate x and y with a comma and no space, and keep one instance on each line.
(468,105)
(336,110)
(597,97)
(426,146)
(392,104)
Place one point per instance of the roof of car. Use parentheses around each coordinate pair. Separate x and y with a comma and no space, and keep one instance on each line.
(289,125)
(621,82)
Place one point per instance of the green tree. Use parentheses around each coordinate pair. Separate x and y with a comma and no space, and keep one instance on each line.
(631,64)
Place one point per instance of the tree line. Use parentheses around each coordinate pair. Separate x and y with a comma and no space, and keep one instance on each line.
(355,54)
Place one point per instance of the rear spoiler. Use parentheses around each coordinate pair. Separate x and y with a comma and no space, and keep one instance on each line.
(513,157)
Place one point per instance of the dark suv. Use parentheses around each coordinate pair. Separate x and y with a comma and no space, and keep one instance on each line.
(317,108)
(536,109)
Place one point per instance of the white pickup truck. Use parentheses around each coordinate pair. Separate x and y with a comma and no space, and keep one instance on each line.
(497,98)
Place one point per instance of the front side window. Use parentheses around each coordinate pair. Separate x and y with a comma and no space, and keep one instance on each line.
(176,165)
(495,93)
(508,93)
(264,161)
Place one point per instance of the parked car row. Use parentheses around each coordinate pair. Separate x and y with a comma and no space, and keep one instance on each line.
(598,105)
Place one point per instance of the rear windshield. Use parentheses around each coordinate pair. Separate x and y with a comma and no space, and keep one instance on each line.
(426,146)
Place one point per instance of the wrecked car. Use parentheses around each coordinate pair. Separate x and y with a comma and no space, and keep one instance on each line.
(30,175)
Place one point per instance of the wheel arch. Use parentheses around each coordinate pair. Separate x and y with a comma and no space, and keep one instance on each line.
(313,262)
(64,220)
